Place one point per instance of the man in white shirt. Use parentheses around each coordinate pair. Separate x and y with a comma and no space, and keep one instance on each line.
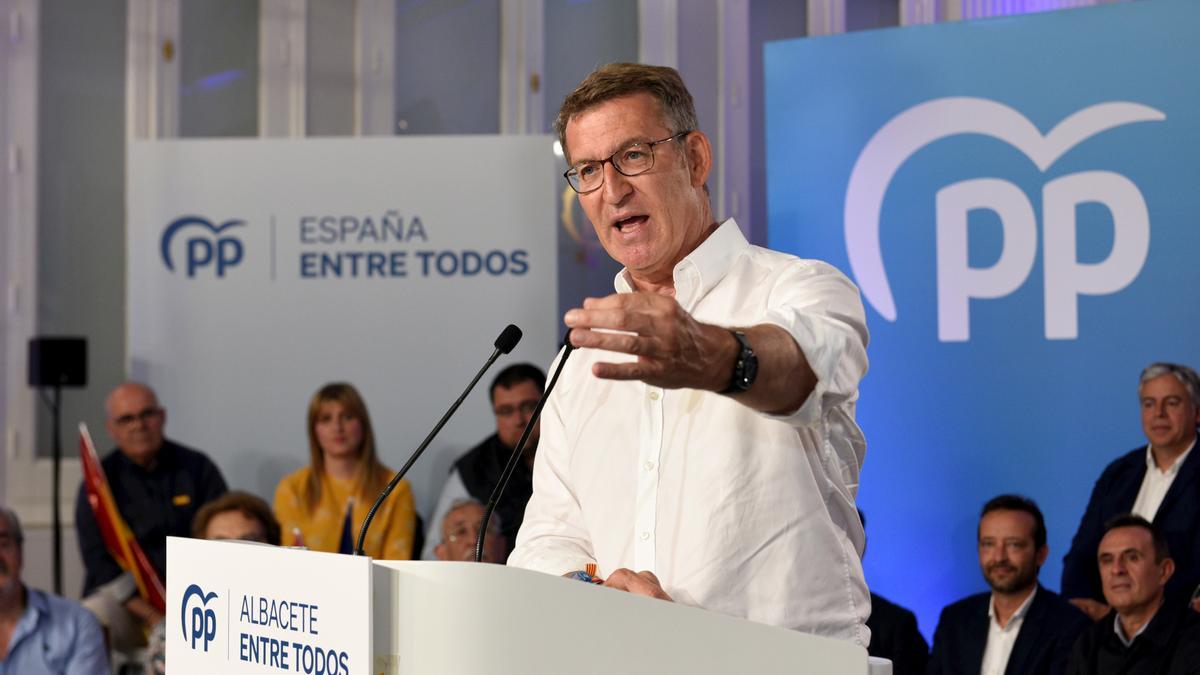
(1019,628)
(1159,481)
(701,444)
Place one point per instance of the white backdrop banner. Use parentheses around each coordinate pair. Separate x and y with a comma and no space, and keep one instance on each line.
(261,269)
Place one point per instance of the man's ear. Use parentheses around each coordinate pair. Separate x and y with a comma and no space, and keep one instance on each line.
(1168,569)
(1042,554)
(699,155)
(440,551)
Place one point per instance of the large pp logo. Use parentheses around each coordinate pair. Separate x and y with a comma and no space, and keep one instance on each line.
(201,624)
(957,283)
(205,245)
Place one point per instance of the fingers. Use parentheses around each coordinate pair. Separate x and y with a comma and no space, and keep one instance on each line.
(634,312)
(621,371)
(638,583)
(613,342)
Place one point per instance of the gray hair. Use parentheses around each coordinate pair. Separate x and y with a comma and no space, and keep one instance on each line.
(615,80)
(493,524)
(14,524)
(1185,375)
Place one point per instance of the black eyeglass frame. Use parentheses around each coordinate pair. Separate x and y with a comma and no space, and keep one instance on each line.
(611,159)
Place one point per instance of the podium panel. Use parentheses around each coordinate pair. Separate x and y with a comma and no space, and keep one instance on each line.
(471,619)
(235,607)
(238,607)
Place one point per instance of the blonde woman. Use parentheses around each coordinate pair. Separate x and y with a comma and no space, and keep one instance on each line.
(322,506)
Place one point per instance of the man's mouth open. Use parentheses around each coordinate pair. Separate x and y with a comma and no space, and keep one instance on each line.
(630,223)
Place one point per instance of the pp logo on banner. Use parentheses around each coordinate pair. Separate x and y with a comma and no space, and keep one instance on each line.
(957,283)
(201,624)
(207,247)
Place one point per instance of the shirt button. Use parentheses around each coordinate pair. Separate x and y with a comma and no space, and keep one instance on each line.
(654,396)
(645,536)
(649,466)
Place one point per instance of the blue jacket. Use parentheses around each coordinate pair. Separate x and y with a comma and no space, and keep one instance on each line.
(1178,517)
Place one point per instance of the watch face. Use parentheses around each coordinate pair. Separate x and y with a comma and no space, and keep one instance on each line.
(750,370)
(746,368)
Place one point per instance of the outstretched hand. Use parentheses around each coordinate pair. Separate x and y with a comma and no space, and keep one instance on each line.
(673,350)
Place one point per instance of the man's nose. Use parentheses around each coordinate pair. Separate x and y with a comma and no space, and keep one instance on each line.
(616,185)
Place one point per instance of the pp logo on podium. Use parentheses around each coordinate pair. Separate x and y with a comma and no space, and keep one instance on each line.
(199,625)
(208,245)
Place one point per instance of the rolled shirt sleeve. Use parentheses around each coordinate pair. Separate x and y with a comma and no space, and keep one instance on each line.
(823,312)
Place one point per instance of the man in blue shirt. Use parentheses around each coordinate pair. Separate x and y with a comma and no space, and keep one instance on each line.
(40,632)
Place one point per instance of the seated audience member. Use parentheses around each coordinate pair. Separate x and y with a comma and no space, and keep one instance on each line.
(894,632)
(514,395)
(1145,633)
(40,632)
(238,515)
(322,506)
(1019,628)
(1159,482)
(158,486)
(460,530)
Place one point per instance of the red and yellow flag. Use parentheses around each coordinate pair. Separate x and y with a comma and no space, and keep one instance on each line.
(118,538)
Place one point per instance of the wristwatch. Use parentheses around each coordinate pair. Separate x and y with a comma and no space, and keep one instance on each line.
(745,369)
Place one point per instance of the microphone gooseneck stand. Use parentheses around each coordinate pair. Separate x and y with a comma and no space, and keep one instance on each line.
(516,453)
(504,344)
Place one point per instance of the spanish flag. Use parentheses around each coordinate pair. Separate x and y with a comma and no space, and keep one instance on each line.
(118,538)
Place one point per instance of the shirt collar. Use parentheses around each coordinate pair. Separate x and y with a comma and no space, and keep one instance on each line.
(37,600)
(36,607)
(1017,615)
(1128,642)
(1151,465)
(162,458)
(701,269)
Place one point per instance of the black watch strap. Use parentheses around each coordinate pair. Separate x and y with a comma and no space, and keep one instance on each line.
(745,369)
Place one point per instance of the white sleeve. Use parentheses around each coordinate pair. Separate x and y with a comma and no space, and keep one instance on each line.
(452,491)
(822,310)
(553,538)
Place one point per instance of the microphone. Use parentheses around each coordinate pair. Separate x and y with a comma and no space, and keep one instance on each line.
(516,453)
(508,338)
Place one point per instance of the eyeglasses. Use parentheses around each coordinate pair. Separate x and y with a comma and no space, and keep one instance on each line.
(631,160)
(145,415)
(525,408)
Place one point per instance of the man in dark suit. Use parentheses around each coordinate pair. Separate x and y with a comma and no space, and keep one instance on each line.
(1019,628)
(1145,634)
(1159,481)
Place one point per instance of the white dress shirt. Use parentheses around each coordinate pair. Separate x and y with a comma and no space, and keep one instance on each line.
(734,510)
(1000,641)
(1156,483)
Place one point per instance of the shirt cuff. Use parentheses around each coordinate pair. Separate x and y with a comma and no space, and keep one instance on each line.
(557,564)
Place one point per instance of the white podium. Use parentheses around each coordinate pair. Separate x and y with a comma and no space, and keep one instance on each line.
(234,607)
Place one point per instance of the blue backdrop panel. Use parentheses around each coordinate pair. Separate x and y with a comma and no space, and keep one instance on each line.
(1018,200)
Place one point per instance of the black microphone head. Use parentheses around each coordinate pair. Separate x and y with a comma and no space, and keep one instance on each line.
(509,337)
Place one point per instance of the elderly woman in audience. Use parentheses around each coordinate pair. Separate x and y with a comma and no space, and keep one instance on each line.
(323,505)
(237,515)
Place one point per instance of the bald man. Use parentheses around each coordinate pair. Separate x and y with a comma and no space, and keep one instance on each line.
(158,486)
